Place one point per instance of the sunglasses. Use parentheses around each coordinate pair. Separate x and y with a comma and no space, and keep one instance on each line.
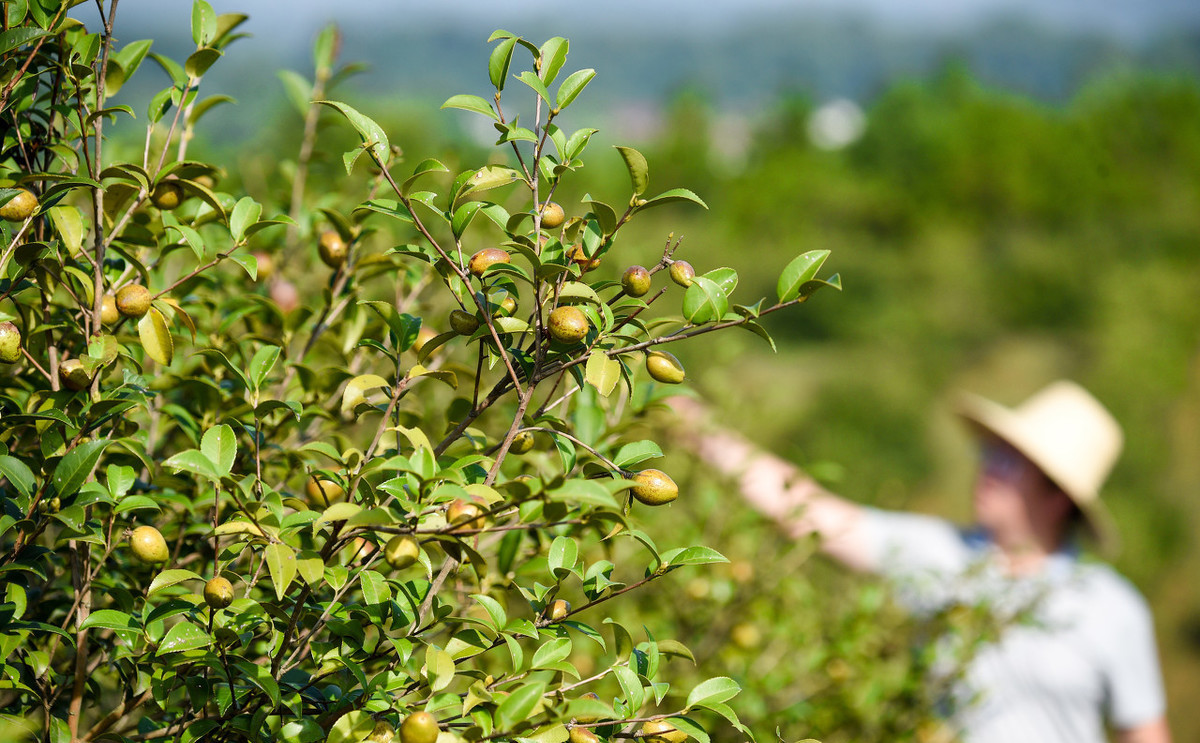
(1002,461)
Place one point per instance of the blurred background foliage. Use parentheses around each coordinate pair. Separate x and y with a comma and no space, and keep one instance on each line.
(988,241)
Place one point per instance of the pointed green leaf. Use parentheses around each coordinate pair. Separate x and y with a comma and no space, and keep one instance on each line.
(74,468)
(245,213)
(261,365)
(155,335)
(219,446)
(357,388)
(673,195)
(169,578)
(517,706)
(552,56)
(194,461)
(281,562)
(714,690)
(373,136)
(603,373)
(183,636)
(204,23)
(639,171)
(471,103)
(572,87)
(18,474)
(802,268)
(704,301)
(499,61)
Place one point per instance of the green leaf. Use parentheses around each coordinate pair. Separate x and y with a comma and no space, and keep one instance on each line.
(169,578)
(471,103)
(204,23)
(374,587)
(155,335)
(673,195)
(573,86)
(803,268)
(584,492)
(73,469)
(639,171)
(69,225)
(552,652)
(18,37)
(352,727)
(714,690)
(631,686)
(425,167)
(110,619)
(373,136)
(692,556)
(325,48)
(489,177)
(261,677)
(552,56)
(298,89)
(602,372)
(245,213)
(675,648)
(357,388)
(563,555)
(704,301)
(493,608)
(499,61)
(534,82)
(281,562)
(199,61)
(18,474)
(439,668)
(517,706)
(219,446)
(195,462)
(637,452)
(261,365)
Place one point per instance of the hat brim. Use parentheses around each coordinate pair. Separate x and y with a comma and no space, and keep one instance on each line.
(988,418)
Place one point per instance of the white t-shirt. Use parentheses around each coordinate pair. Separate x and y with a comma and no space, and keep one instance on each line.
(1089,657)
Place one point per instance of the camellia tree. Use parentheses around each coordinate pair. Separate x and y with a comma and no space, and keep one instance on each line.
(399,508)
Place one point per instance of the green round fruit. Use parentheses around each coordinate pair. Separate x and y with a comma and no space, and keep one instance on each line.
(577,254)
(465,515)
(485,259)
(559,610)
(567,324)
(401,551)
(664,367)
(322,491)
(463,322)
(506,308)
(552,215)
(133,300)
(109,314)
(148,545)
(419,727)
(382,733)
(522,443)
(424,335)
(20,207)
(654,487)
(636,281)
(10,343)
(582,735)
(661,731)
(167,195)
(218,593)
(682,273)
(73,375)
(332,249)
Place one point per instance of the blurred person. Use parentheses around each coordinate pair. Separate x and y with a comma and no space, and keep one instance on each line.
(1090,657)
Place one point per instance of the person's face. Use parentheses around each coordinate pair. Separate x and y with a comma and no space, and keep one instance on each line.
(1014,500)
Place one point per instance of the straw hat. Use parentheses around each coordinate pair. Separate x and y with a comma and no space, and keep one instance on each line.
(1068,434)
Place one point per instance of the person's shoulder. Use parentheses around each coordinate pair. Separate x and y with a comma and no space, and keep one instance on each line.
(1109,592)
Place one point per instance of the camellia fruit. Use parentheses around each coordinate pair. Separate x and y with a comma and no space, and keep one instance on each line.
(559,610)
(401,551)
(285,295)
(265,263)
(10,343)
(636,281)
(73,375)
(463,322)
(218,593)
(576,253)
(148,545)
(332,249)
(424,335)
(582,735)
(664,367)
(20,207)
(465,515)
(661,731)
(485,259)
(567,324)
(682,273)
(109,314)
(522,443)
(166,195)
(322,491)
(654,487)
(133,300)
(506,308)
(383,732)
(552,215)
(419,727)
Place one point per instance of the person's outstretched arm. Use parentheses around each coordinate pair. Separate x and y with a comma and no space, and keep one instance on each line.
(777,488)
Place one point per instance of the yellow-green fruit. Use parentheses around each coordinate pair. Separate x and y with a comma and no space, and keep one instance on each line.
(559,610)
(20,207)
(582,735)
(10,343)
(167,195)
(465,515)
(522,443)
(382,733)
(133,300)
(218,593)
(487,258)
(636,281)
(206,180)
(664,367)
(682,273)
(419,727)
(73,375)
(661,731)
(322,491)
(424,335)
(148,545)
(506,308)
(552,215)
(109,314)
(463,322)
(332,249)
(567,324)
(401,551)
(654,487)
(745,635)
(577,254)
